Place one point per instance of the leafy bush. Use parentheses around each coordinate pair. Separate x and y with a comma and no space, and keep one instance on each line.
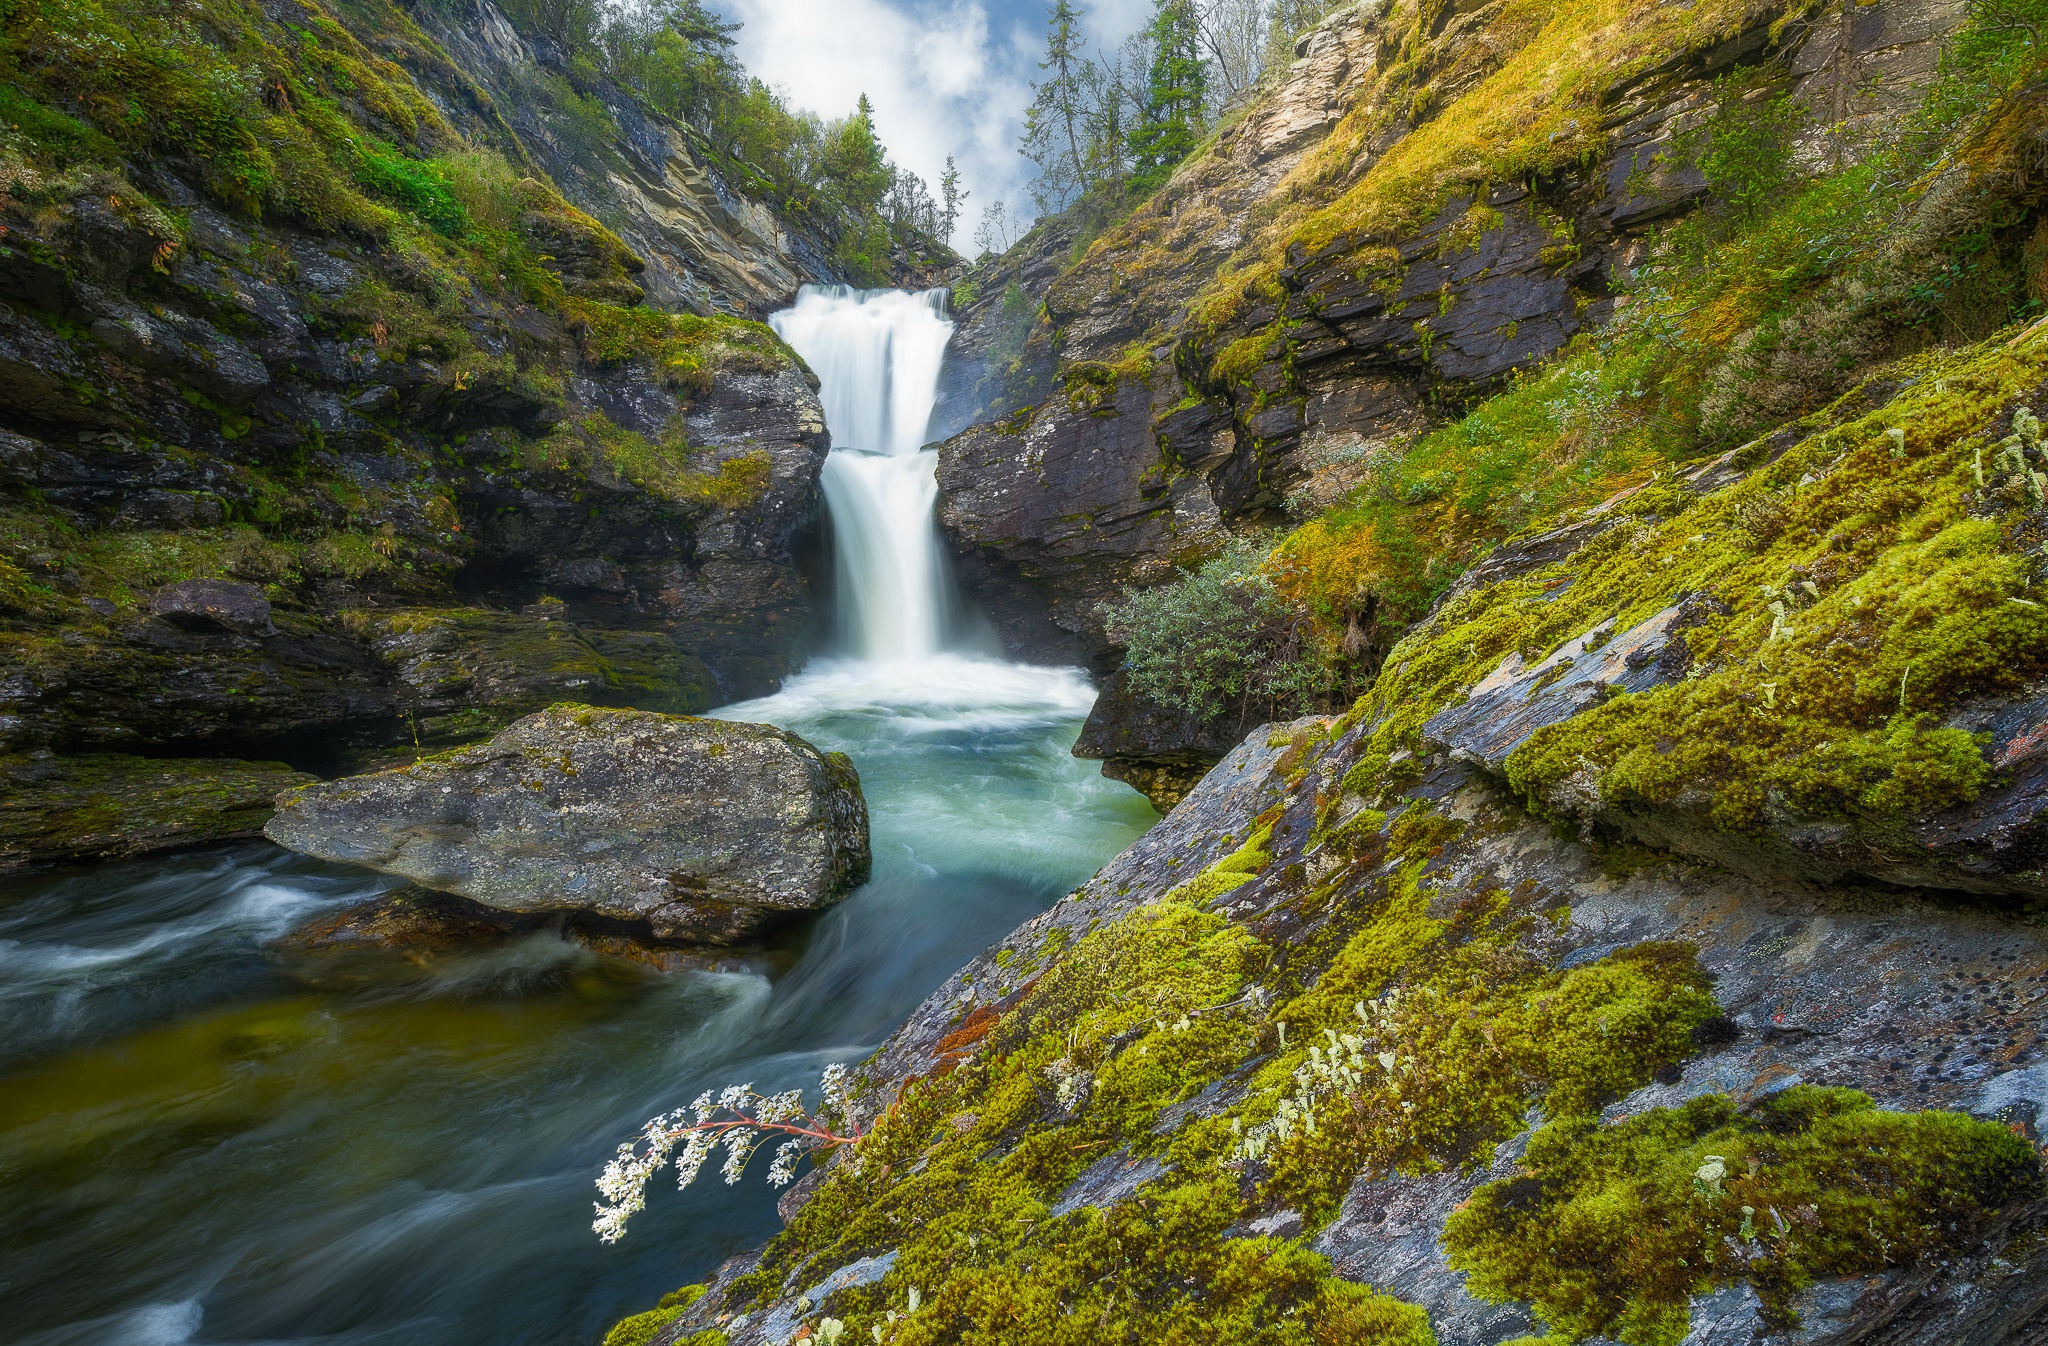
(1219,636)
(420,185)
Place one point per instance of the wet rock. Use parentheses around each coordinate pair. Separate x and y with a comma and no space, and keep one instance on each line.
(419,924)
(111,806)
(465,672)
(217,605)
(1158,750)
(704,830)
(1052,514)
(411,921)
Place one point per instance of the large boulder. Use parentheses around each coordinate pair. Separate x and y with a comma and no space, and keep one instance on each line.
(703,830)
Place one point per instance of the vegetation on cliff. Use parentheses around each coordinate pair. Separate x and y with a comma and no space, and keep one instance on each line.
(676,56)
(1894,520)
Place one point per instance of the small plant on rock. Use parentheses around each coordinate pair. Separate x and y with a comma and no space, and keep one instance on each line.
(741,1119)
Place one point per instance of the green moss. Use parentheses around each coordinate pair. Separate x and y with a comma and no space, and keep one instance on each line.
(1610,1230)
(1458,1028)
(685,349)
(640,1329)
(1128,1019)
(1881,593)
(596,448)
(109,805)
(682,1298)
(1240,867)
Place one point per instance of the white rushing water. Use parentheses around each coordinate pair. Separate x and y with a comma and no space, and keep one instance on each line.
(877,354)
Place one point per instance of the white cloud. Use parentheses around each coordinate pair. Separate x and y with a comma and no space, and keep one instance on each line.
(945,76)
(943,79)
(1109,22)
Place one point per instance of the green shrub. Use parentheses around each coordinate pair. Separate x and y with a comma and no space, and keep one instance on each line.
(420,185)
(1219,636)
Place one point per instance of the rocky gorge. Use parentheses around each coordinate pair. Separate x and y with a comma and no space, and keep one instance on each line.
(1644,946)
(1601,444)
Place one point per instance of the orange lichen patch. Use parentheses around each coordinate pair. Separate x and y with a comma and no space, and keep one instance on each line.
(959,1044)
(973,1029)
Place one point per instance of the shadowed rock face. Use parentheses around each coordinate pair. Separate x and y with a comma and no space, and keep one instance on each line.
(1160,751)
(1052,513)
(113,806)
(704,830)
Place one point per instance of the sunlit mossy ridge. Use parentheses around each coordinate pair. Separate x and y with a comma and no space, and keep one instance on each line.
(1870,582)
(1759,308)
(1461,113)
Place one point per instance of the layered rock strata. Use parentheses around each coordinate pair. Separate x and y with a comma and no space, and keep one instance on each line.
(1143,411)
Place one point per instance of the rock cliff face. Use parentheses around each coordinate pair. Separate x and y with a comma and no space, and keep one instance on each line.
(1215,364)
(388,454)
(706,247)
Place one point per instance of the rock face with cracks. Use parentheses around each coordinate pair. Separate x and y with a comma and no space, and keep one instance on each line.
(704,830)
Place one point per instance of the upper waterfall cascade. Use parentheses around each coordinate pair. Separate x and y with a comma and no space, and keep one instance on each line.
(877,354)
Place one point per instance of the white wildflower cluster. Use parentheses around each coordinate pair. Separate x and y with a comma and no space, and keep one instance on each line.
(740,1120)
(1344,1064)
(1070,1084)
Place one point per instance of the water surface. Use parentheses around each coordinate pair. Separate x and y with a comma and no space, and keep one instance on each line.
(201,1141)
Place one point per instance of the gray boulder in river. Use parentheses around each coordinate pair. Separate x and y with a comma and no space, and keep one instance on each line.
(706,830)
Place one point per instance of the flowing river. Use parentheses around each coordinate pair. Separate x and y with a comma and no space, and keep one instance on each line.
(202,1140)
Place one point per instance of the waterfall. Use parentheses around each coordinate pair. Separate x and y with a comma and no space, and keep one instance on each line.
(877,355)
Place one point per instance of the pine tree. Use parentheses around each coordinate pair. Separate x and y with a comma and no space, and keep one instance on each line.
(951,195)
(1055,131)
(1175,87)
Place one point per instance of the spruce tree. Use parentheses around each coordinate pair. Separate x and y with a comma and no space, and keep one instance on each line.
(1055,131)
(1175,89)
(951,195)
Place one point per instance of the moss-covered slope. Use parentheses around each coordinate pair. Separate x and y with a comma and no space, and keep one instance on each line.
(285,305)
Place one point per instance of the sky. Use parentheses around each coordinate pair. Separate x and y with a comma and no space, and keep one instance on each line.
(944,76)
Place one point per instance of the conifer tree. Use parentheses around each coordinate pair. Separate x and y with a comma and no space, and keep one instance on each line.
(1175,88)
(951,196)
(1055,130)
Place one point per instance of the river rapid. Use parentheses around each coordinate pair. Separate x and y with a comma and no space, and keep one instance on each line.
(203,1139)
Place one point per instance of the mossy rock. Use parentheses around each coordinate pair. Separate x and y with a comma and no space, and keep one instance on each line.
(112,806)
(471,671)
